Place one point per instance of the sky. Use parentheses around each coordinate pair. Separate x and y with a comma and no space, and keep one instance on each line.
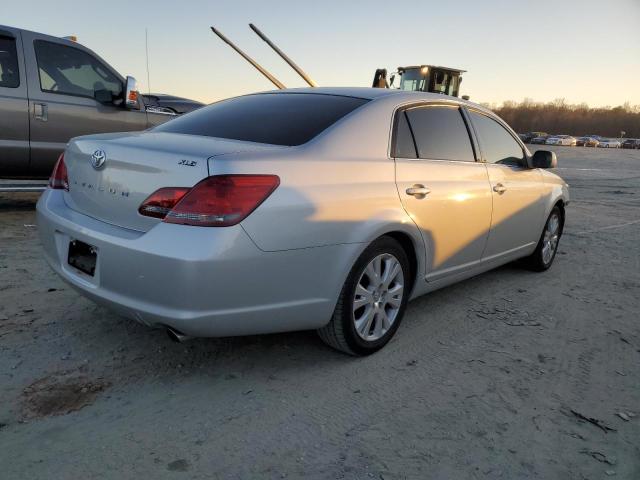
(579,50)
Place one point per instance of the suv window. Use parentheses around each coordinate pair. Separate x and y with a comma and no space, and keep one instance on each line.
(275,118)
(9,75)
(498,146)
(440,133)
(404,146)
(72,71)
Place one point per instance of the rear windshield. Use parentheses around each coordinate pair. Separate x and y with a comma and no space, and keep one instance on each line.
(278,119)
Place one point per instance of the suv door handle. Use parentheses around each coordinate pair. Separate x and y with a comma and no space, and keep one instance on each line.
(418,191)
(40,111)
(499,188)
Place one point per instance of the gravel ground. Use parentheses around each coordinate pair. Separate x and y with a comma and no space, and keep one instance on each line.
(508,375)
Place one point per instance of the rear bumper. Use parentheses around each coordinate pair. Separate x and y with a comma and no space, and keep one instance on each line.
(199,281)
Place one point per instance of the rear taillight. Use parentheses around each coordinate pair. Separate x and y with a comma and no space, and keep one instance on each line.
(219,201)
(160,202)
(222,200)
(59,179)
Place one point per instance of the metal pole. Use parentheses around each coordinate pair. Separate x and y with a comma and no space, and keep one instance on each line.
(146,48)
(271,78)
(284,56)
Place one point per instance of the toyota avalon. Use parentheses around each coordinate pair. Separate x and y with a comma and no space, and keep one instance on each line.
(324,208)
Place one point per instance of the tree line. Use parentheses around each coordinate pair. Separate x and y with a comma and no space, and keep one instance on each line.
(561,118)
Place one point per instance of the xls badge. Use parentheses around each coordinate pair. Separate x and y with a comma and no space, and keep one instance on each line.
(188,163)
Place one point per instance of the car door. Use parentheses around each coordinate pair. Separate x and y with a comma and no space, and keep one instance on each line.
(66,81)
(14,106)
(518,208)
(442,187)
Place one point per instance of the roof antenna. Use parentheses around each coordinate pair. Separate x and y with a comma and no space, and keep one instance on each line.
(264,72)
(284,56)
(146,47)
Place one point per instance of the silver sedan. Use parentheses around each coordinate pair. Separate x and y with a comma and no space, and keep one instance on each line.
(322,209)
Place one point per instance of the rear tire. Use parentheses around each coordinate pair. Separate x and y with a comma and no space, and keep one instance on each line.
(542,258)
(372,301)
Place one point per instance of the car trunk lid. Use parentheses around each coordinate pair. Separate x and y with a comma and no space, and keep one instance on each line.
(111,175)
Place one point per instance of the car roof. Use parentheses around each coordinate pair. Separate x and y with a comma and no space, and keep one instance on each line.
(360,92)
(398,96)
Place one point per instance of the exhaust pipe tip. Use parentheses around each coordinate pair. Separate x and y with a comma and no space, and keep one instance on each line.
(177,336)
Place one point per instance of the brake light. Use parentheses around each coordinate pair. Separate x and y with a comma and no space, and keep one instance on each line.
(222,200)
(59,179)
(160,202)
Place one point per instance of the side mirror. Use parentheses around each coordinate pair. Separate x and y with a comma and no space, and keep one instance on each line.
(544,159)
(131,94)
(103,96)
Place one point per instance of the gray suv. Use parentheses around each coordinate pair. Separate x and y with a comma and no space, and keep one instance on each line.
(53,89)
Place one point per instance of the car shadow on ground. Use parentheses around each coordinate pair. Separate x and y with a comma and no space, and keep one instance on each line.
(131,352)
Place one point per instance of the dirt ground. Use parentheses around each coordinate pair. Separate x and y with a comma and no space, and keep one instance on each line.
(508,375)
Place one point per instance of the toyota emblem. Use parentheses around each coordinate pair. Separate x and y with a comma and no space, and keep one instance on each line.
(98,159)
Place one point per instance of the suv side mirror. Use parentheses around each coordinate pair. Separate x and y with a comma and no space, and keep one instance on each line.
(544,159)
(103,96)
(131,94)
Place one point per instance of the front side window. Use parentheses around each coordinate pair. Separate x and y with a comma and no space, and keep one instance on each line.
(72,71)
(498,146)
(440,133)
(275,118)
(9,75)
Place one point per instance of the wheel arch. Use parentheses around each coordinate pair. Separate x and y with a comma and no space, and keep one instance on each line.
(561,206)
(408,245)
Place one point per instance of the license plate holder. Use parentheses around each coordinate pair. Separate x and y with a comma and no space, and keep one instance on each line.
(82,256)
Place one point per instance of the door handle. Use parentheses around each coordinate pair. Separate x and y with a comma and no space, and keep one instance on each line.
(499,188)
(418,191)
(40,111)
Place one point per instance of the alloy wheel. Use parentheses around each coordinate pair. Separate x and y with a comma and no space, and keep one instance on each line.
(378,297)
(551,237)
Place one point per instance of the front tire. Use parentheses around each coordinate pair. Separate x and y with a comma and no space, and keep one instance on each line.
(372,301)
(545,252)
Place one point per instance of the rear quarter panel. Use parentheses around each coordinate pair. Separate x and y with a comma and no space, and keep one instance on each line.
(322,201)
(337,189)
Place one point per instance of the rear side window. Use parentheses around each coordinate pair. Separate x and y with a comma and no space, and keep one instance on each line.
(440,133)
(72,71)
(498,146)
(9,75)
(404,146)
(278,119)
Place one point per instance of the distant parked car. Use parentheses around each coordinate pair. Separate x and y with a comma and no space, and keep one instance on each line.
(528,137)
(609,143)
(587,142)
(541,140)
(566,140)
(632,143)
